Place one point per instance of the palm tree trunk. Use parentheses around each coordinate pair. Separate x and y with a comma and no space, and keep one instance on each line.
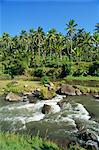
(60,55)
(50,54)
(71,46)
(44,55)
(39,55)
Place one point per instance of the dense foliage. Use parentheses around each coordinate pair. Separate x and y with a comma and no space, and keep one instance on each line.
(37,49)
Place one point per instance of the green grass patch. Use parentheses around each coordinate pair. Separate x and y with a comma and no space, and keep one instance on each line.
(22,142)
(85,89)
(87,78)
(19,86)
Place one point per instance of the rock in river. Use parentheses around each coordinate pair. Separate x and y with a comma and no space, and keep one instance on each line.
(12,97)
(46,109)
(78,92)
(63,103)
(96,96)
(67,90)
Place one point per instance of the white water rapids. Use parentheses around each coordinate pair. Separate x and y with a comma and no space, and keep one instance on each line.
(14,116)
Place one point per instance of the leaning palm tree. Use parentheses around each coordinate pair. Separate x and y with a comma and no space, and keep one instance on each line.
(70,32)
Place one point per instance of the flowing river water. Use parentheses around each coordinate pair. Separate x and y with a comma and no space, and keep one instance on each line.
(60,124)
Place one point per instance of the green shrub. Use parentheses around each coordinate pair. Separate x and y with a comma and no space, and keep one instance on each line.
(14,68)
(54,73)
(80,68)
(47,145)
(45,80)
(66,70)
(39,72)
(12,87)
(47,94)
(94,69)
(29,72)
(78,72)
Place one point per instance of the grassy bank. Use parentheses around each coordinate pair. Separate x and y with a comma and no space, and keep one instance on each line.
(19,142)
(82,78)
(21,85)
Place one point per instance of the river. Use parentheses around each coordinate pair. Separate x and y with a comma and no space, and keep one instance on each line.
(59,125)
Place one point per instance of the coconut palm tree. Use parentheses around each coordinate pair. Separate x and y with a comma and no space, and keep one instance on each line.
(59,44)
(70,32)
(51,41)
(32,45)
(39,36)
(97,27)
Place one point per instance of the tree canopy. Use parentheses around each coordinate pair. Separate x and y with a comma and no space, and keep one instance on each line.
(52,49)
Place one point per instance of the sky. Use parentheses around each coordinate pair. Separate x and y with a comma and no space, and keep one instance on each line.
(17,15)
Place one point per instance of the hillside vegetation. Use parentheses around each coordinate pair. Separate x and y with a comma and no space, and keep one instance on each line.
(36,53)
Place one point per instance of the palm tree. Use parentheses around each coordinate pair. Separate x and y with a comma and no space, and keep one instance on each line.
(39,36)
(87,45)
(96,45)
(78,43)
(32,45)
(59,44)
(6,44)
(97,28)
(24,43)
(96,40)
(71,31)
(51,41)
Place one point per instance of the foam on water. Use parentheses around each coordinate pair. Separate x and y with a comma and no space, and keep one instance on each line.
(25,112)
(36,117)
(80,113)
(33,112)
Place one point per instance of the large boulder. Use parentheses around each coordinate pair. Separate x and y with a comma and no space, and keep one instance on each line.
(46,109)
(67,90)
(12,97)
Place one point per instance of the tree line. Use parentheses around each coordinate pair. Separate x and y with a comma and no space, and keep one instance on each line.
(52,49)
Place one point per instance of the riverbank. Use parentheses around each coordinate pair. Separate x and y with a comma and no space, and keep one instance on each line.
(87,85)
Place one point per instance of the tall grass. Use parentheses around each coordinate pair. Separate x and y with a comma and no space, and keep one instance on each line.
(20,142)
